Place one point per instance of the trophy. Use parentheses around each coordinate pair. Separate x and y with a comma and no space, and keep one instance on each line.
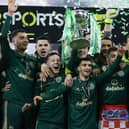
(80,41)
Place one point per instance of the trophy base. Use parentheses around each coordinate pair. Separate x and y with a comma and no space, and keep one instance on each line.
(79,43)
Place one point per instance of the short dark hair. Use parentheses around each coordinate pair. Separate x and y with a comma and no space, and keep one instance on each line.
(106,38)
(112,49)
(15,32)
(51,53)
(43,37)
(85,59)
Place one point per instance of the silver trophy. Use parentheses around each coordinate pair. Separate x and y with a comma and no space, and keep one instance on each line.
(80,41)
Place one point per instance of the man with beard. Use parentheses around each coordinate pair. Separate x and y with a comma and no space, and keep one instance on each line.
(51,113)
(114,96)
(42,49)
(20,72)
(106,43)
(75,56)
(83,95)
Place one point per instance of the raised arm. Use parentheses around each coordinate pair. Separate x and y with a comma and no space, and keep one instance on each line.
(54,93)
(57,90)
(4,38)
(12,7)
(112,69)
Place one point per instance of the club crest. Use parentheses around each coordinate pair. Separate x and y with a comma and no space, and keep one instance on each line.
(59,79)
(120,73)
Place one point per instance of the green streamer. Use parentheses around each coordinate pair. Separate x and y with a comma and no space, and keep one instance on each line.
(68,33)
(95,43)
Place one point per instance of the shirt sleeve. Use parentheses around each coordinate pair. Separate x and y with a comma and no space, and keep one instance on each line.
(6,26)
(5,48)
(61,88)
(112,69)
